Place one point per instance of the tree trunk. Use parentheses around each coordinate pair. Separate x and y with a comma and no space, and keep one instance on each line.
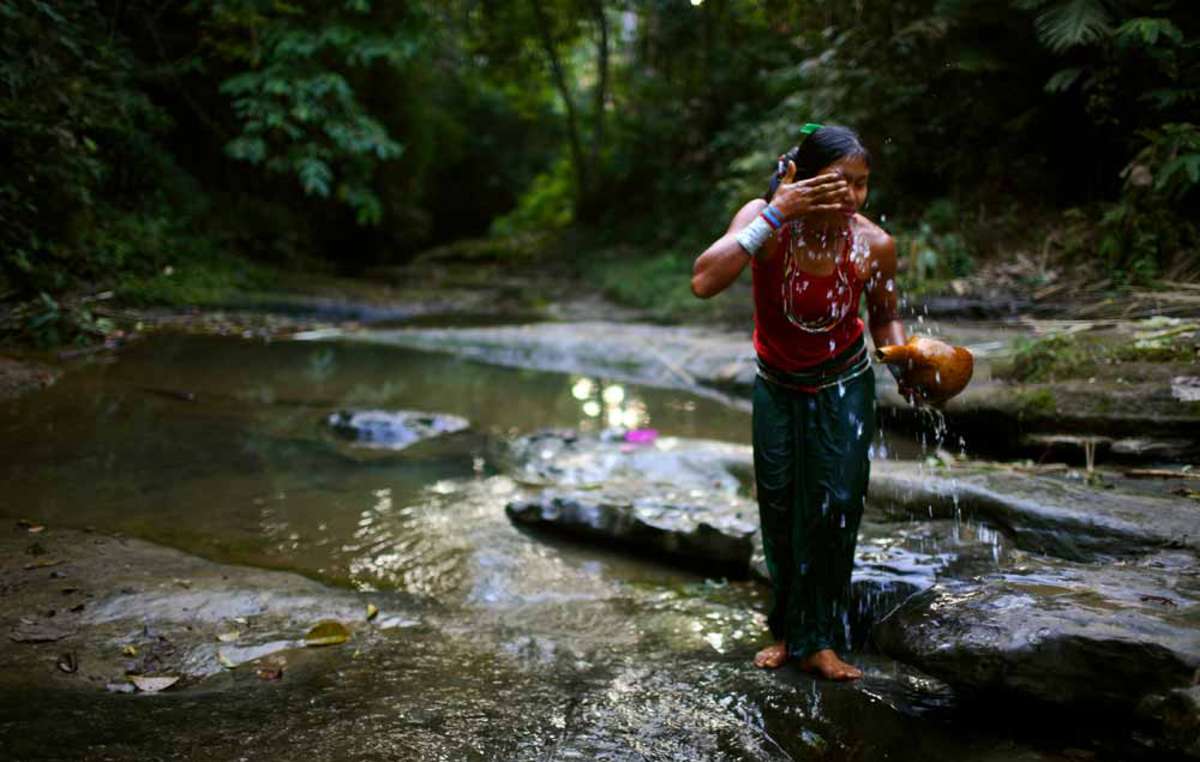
(564,92)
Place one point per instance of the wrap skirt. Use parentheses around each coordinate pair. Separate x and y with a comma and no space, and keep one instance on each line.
(812,434)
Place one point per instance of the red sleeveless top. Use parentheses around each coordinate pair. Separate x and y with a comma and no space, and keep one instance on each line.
(802,320)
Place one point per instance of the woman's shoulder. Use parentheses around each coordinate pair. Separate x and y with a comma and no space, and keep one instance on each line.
(881,246)
(878,238)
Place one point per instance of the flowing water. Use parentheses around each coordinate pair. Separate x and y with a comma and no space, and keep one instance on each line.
(522,646)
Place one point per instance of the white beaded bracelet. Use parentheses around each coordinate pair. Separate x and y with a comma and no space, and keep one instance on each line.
(753,236)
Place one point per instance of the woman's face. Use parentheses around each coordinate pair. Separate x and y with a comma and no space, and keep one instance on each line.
(855,172)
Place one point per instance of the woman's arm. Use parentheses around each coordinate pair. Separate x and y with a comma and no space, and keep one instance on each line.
(883,293)
(723,261)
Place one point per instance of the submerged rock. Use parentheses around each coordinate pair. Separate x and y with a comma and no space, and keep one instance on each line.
(393,429)
(1067,634)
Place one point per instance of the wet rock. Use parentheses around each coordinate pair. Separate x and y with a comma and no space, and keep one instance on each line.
(703,529)
(141,619)
(393,429)
(1061,633)
(568,459)
(19,377)
(37,632)
(1175,715)
(676,497)
(1044,514)
(676,357)
(894,561)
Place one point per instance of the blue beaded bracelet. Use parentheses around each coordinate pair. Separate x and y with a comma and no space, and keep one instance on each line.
(772,216)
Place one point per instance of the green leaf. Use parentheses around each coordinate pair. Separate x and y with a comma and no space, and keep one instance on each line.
(315,176)
(1188,163)
(1062,80)
(1070,23)
(1147,30)
(329,632)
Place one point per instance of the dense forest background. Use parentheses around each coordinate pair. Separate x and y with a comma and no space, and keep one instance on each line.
(167,150)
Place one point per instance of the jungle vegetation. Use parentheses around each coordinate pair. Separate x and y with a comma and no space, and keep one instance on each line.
(164,148)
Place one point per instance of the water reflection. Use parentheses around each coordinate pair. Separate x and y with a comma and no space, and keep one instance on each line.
(614,406)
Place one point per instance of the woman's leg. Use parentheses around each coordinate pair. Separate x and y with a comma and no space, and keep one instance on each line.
(836,429)
(774,434)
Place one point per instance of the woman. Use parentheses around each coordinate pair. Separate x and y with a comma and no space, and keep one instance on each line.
(812,256)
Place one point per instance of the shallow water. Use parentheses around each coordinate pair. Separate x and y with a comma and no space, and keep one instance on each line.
(531,647)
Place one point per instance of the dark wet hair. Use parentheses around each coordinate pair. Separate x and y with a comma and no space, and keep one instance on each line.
(819,150)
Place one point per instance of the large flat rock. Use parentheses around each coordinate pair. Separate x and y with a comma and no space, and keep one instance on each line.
(118,605)
(704,530)
(1045,514)
(1106,636)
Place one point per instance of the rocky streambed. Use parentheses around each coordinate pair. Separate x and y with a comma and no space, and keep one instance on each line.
(505,570)
(1005,585)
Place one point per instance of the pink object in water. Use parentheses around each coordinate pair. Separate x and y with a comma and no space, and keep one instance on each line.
(641,436)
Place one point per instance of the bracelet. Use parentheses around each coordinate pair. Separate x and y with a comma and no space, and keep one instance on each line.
(753,236)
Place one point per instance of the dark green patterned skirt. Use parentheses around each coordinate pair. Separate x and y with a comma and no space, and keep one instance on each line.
(811,468)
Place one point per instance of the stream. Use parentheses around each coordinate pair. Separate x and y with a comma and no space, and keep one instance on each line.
(512,643)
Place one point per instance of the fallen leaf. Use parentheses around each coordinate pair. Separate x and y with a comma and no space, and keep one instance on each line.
(270,673)
(42,563)
(68,663)
(228,637)
(153,684)
(1160,599)
(372,611)
(327,633)
(130,650)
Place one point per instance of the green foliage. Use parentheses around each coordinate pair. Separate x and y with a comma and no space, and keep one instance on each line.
(547,204)
(1067,356)
(658,284)
(79,139)
(47,322)
(297,111)
(1037,403)
(1050,359)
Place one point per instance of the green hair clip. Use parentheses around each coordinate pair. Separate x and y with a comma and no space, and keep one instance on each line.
(809,129)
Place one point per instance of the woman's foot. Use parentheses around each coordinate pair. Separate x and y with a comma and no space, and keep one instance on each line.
(827,664)
(772,657)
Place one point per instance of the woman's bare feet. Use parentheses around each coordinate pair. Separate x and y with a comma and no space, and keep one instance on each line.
(772,657)
(828,665)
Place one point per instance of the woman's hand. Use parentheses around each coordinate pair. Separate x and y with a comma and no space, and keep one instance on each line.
(823,193)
